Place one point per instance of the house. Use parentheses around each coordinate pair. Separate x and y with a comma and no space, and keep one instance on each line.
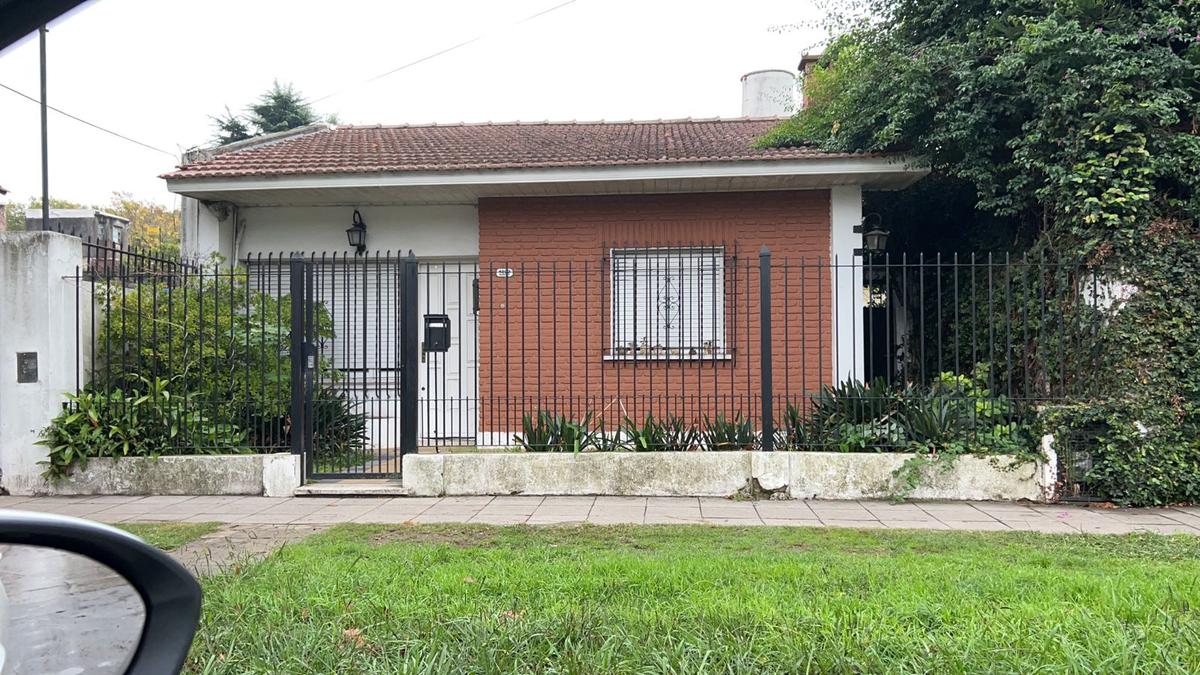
(90,224)
(587,267)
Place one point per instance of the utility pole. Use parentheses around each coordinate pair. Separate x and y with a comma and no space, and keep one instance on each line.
(45,145)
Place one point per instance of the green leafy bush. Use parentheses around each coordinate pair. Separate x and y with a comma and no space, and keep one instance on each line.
(143,420)
(956,414)
(225,347)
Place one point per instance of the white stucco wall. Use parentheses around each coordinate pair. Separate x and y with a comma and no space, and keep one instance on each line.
(39,314)
(450,230)
(845,206)
(203,232)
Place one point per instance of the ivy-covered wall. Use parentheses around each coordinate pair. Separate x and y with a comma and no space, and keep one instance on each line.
(1069,128)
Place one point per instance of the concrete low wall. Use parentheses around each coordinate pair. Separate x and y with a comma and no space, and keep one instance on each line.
(801,475)
(276,475)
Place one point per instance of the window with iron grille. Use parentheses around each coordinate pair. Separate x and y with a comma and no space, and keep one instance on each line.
(668,302)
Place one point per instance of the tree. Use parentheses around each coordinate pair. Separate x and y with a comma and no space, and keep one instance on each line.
(230,128)
(15,212)
(1076,122)
(151,226)
(279,108)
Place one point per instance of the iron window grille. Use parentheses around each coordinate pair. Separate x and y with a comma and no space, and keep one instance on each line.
(668,303)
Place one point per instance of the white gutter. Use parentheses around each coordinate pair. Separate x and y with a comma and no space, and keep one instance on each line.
(846,166)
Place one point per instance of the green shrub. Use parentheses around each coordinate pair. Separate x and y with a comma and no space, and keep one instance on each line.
(723,434)
(225,348)
(339,431)
(671,434)
(548,432)
(144,420)
(956,414)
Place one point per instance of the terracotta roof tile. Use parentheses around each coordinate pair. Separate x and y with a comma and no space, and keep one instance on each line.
(513,145)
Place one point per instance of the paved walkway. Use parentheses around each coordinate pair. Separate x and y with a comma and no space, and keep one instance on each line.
(613,510)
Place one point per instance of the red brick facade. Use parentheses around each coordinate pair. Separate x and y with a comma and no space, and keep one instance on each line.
(544,331)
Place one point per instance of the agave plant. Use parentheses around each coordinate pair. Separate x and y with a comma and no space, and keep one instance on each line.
(723,434)
(547,432)
(671,434)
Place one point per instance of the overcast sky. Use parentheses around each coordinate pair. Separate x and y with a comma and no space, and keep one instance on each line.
(155,70)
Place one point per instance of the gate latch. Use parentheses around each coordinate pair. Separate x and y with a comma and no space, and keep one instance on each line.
(437,334)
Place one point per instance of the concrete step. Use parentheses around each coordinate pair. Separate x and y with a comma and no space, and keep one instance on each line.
(355,487)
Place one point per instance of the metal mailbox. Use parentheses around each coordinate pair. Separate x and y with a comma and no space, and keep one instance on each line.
(437,333)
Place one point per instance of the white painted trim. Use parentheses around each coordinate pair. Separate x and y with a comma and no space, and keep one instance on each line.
(844,167)
(845,213)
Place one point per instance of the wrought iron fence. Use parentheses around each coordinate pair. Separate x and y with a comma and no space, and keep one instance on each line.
(684,346)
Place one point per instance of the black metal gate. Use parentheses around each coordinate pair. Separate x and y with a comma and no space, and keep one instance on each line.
(355,356)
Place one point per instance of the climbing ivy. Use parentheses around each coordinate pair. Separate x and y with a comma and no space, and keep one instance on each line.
(1079,122)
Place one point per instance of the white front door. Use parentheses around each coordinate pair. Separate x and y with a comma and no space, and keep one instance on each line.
(449,386)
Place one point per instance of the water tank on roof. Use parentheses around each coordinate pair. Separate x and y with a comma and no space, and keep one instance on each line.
(768,93)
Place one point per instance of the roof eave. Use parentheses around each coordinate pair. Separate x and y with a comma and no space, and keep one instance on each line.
(843,168)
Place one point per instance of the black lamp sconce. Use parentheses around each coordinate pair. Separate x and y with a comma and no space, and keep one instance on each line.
(357,233)
(874,236)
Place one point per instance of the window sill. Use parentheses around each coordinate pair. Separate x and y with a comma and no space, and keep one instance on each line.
(724,356)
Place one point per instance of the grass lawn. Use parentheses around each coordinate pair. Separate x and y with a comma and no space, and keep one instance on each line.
(169,536)
(694,599)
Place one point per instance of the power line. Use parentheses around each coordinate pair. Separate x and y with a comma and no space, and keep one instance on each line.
(90,124)
(447,50)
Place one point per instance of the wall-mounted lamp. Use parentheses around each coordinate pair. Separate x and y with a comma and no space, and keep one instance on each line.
(357,233)
(874,236)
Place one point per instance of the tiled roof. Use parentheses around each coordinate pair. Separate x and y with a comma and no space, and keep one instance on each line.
(513,145)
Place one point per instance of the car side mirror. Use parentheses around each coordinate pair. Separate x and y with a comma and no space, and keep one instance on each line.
(78,596)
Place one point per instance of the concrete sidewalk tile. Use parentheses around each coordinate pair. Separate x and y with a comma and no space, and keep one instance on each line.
(836,514)
(893,511)
(1181,516)
(673,502)
(560,514)
(499,518)
(1106,527)
(568,500)
(577,519)
(791,522)
(194,518)
(428,517)
(901,524)
(977,525)
(857,524)
(612,517)
(1142,518)
(1039,525)
(381,517)
(525,509)
(606,501)
(163,500)
(960,515)
(735,522)
(673,516)
(729,511)
(11,502)
(265,518)
(682,510)
(475,501)
(325,517)
(76,510)
(785,509)
(1167,528)
(516,500)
